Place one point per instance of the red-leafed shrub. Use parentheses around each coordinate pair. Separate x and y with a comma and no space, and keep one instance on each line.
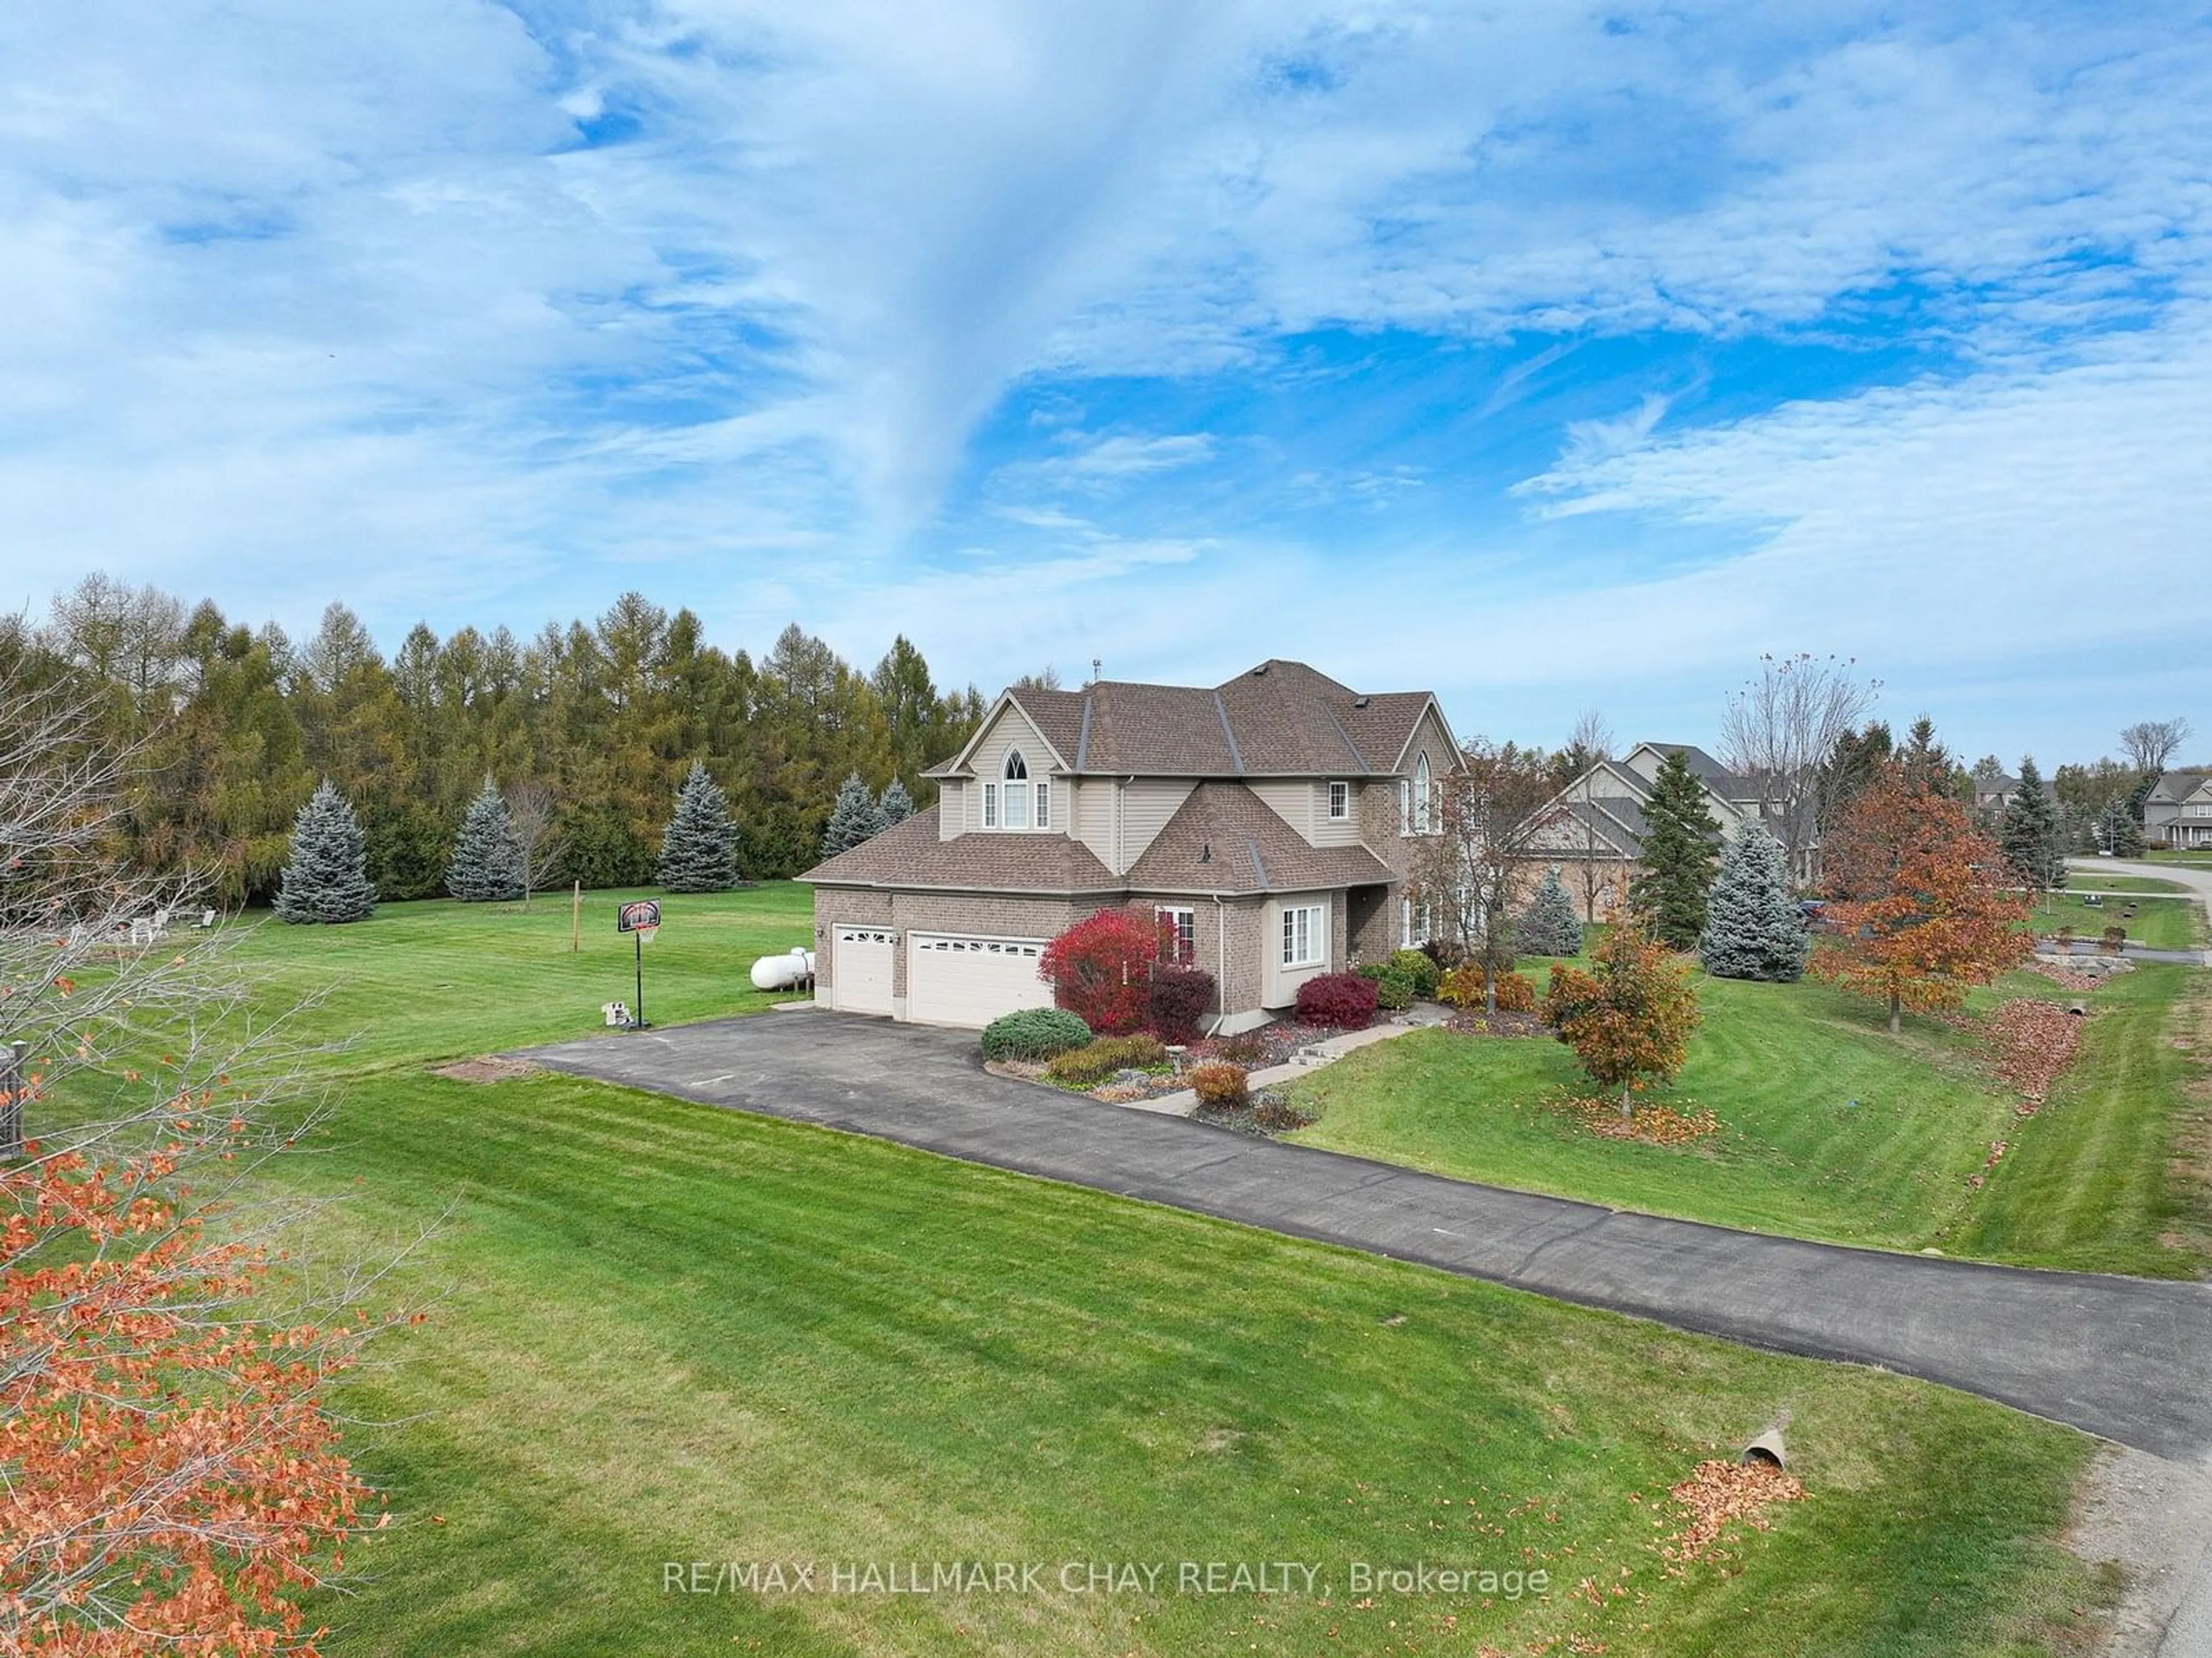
(1343,1000)
(1101,969)
(1180,999)
(1218,1084)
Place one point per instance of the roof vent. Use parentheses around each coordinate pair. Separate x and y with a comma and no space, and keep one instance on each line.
(1360,701)
(1257,672)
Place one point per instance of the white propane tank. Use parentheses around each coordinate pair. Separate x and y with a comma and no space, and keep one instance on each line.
(783,972)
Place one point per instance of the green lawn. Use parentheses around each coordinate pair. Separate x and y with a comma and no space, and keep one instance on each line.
(661,1332)
(438,980)
(2171,922)
(1830,1127)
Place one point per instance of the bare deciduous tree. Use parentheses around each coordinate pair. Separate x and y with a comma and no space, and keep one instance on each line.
(1491,811)
(1589,742)
(1780,730)
(532,814)
(2151,742)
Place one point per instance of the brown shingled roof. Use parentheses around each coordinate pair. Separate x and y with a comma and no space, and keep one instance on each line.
(1225,839)
(1279,719)
(909,854)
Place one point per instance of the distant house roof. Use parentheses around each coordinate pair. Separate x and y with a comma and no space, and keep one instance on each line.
(1729,785)
(2001,784)
(1277,720)
(2178,785)
(1224,838)
(910,854)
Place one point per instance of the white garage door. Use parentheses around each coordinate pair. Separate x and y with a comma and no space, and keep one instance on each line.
(971,981)
(862,968)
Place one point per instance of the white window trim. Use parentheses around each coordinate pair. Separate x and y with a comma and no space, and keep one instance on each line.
(1340,801)
(1182,918)
(1423,791)
(1029,798)
(1314,952)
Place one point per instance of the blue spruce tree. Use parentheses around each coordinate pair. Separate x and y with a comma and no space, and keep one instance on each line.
(326,878)
(895,806)
(1753,928)
(699,850)
(853,819)
(1550,926)
(487,863)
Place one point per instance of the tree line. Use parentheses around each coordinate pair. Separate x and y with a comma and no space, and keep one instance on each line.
(588,729)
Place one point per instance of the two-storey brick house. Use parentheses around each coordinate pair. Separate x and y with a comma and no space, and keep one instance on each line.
(1269,818)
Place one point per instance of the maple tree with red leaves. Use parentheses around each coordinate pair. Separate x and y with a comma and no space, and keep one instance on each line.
(1917,910)
(1101,969)
(1630,1022)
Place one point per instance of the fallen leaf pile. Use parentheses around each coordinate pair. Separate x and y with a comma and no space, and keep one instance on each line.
(1652,1125)
(2031,1041)
(1719,1493)
(2065,978)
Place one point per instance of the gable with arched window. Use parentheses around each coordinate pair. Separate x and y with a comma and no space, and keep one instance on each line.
(1016,800)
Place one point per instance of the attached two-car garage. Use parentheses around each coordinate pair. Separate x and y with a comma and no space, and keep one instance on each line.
(954,979)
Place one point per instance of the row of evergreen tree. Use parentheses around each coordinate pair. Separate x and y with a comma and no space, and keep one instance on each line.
(326,879)
(596,724)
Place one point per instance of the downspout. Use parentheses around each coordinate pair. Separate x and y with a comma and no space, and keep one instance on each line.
(1221,961)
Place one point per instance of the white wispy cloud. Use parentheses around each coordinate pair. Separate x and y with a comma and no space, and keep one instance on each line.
(445,304)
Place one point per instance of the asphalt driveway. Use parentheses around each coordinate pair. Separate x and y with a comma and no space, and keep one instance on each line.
(2128,1359)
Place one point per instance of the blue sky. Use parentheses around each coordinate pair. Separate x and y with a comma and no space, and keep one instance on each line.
(1552,356)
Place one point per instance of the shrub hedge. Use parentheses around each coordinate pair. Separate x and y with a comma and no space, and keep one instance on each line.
(1034,1033)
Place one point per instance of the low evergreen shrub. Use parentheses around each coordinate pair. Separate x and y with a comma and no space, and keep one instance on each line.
(1033,1034)
(1393,990)
(1418,966)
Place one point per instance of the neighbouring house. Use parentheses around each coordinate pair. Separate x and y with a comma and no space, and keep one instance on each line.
(1992,795)
(1268,818)
(1597,837)
(2178,810)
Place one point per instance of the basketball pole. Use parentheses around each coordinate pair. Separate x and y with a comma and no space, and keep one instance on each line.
(637,942)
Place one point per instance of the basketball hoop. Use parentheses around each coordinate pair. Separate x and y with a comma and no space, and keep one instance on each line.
(645,934)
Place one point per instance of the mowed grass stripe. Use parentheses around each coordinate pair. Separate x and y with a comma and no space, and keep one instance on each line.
(2092,1181)
(812,1346)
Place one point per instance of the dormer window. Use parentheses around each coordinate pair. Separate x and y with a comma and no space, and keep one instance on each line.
(1016,800)
(1339,801)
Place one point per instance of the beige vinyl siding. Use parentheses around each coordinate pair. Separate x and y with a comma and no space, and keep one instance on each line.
(1011,730)
(1293,802)
(1335,832)
(1090,816)
(1147,805)
(951,809)
(1280,984)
